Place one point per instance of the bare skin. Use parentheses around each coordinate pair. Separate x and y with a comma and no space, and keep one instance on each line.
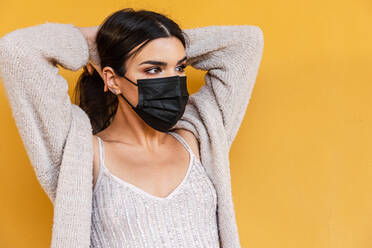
(133,151)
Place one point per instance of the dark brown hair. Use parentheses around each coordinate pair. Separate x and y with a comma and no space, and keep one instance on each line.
(117,36)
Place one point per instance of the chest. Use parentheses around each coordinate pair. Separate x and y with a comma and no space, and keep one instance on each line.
(158,174)
(194,181)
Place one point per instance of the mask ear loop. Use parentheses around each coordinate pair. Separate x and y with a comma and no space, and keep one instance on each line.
(122,94)
(130,80)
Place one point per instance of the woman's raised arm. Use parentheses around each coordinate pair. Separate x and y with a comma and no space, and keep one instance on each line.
(38,95)
(231,55)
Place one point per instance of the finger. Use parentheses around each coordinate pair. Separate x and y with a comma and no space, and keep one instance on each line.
(90,69)
(96,67)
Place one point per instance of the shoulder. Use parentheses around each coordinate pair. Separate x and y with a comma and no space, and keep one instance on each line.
(191,140)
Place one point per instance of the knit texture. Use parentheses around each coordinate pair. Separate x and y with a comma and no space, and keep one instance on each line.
(57,134)
(127,216)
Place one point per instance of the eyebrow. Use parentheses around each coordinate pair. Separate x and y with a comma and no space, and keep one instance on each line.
(154,62)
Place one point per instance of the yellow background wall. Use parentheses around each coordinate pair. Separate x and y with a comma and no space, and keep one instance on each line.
(301,163)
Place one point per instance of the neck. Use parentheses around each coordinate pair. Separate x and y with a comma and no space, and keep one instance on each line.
(128,127)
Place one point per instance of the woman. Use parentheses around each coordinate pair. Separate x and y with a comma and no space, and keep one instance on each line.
(160,174)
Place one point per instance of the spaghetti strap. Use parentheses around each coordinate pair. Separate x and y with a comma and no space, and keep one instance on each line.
(101,154)
(101,164)
(179,137)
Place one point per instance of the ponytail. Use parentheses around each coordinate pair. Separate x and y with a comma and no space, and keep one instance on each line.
(98,104)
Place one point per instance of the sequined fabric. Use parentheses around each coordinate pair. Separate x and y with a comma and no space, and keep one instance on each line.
(126,216)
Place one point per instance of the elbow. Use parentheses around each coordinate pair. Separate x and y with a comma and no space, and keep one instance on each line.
(260,41)
(252,44)
(15,43)
(259,35)
(252,40)
(256,38)
(3,45)
(9,47)
(8,40)
(4,51)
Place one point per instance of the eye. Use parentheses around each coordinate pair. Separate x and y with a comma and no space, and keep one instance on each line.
(182,67)
(150,71)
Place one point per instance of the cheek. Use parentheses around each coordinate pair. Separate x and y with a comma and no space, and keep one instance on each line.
(129,90)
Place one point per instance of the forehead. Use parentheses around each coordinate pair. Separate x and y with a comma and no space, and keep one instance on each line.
(168,50)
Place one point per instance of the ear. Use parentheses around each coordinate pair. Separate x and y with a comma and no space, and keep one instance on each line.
(110,82)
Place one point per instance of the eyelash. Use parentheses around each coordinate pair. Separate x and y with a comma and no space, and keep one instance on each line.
(147,71)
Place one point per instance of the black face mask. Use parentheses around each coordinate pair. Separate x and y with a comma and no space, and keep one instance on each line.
(161,101)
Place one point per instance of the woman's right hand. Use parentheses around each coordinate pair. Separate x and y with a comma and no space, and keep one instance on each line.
(91,67)
(94,60)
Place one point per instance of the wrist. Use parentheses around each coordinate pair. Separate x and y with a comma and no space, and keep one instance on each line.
(90,34)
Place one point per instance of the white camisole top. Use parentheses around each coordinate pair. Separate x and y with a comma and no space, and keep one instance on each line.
(124,215)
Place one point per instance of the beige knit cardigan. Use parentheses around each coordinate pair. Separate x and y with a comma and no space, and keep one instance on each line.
(57,134)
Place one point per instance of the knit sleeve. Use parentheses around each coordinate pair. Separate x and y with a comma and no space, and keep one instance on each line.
(38,95)
(231,55)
